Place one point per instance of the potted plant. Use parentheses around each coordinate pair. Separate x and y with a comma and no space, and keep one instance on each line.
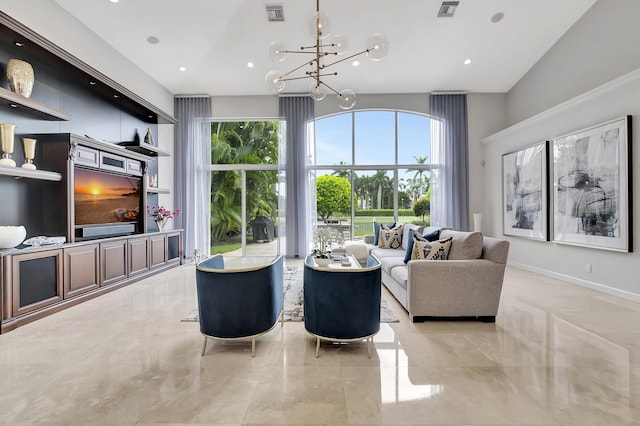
(323,239)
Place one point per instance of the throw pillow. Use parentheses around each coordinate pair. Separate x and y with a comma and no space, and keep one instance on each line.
(431,250)
(390,238)
(376,231)
(431,236)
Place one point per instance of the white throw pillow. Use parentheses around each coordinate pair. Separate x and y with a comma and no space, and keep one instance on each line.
(435,250)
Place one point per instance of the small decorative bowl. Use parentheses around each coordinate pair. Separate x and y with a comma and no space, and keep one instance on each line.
(11,236)
(322,262)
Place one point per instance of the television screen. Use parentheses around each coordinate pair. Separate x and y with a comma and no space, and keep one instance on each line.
(102,198)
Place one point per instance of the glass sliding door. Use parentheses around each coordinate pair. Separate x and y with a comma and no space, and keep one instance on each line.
(245,190)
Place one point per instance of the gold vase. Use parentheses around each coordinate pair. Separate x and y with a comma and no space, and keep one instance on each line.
(29,146)
(7,136)
(21,77)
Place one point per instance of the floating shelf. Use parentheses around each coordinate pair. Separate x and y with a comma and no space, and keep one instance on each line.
(30,107)
(155,190)
(19,172)
(145,148)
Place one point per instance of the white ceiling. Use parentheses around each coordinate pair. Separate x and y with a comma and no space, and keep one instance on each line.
(214,40)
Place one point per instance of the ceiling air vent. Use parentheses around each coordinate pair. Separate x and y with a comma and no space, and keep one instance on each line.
(275,13)
(448,9)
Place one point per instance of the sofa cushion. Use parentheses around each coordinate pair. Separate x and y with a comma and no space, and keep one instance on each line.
(406,229)
(389,263)
(465,245)
(390,238)
(401,275)
(376,231)
(380,253)
(430,250)
(431,236)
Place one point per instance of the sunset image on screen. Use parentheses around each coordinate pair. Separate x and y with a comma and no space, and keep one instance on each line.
(105,198)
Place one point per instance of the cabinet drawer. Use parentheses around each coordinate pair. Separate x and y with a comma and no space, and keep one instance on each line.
(134,167)
(87,156)
(113,162)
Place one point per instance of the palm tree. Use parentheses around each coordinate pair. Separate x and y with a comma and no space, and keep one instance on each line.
(343,173)
(419,184)
(242,143)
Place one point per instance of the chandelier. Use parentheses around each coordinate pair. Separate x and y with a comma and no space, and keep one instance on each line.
(326,47)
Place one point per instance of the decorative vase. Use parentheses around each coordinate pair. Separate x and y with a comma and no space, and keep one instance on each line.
(21,77)
(477,222)
(11,236)
(160,223)
(148,138)
(7,137)
(29,153)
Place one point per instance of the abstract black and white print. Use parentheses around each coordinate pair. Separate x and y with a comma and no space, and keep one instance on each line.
(590,187)
(525,192)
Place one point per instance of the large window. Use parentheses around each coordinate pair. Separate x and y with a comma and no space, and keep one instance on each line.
(385,158)
(246,200)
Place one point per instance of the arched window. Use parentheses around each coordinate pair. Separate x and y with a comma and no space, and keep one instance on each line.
(386,158)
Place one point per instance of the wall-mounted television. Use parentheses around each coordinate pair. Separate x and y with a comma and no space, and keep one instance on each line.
(105,203)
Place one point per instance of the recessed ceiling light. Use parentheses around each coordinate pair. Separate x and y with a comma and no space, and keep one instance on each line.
(92,83)
(355,63)
(19,44)
(114,1)
(13,105)
(182,68)
(250,64)
(467,61)
(116,96)
(497,17)
(153,40)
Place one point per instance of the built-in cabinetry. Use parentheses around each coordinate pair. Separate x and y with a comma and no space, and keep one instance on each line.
(43,280)
(71,99)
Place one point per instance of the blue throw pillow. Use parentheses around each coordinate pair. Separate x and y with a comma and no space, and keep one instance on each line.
(376,231)
(407,253)
(431,236)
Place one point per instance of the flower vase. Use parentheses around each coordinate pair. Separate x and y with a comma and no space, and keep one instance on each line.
(7,137)
(160,223)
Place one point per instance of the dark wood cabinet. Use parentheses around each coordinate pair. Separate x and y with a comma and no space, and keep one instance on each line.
(113,257)
(37,280)
(81,269)
(138,255)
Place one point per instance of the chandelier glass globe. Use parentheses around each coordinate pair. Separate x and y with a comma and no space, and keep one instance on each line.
(277,51)
(378,47)
(317,92)
(346,99)
(275,81)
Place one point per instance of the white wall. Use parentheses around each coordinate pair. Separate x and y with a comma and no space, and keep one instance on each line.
(600,47)
(581,93)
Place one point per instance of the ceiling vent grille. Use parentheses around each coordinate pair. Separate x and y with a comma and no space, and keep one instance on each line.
(275,13)
(448,9)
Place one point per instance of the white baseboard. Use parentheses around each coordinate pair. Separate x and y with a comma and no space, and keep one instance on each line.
(634,297)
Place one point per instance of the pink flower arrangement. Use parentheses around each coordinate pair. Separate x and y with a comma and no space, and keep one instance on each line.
(160,214)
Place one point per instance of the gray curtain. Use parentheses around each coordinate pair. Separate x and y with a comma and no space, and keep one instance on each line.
(297,112)
(450,190)
(192,172)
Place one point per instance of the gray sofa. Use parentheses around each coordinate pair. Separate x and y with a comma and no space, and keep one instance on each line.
(467,285)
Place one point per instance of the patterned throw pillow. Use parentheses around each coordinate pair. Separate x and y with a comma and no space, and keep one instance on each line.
(436,250)
(390,238)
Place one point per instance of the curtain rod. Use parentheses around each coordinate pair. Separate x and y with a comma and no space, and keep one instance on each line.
(449,92)
(192,96)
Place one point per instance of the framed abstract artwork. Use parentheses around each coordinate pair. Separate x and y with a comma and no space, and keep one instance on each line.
(592,187)
(525,200)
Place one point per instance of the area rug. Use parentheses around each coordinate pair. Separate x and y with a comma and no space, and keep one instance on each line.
(293,307)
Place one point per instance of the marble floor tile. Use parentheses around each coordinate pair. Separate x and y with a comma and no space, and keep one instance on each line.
(558,354)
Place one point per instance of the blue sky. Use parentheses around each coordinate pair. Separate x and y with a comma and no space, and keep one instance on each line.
(374,136)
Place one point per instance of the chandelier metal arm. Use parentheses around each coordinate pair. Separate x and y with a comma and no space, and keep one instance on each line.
(346,59)
(301,66)
(329,87)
